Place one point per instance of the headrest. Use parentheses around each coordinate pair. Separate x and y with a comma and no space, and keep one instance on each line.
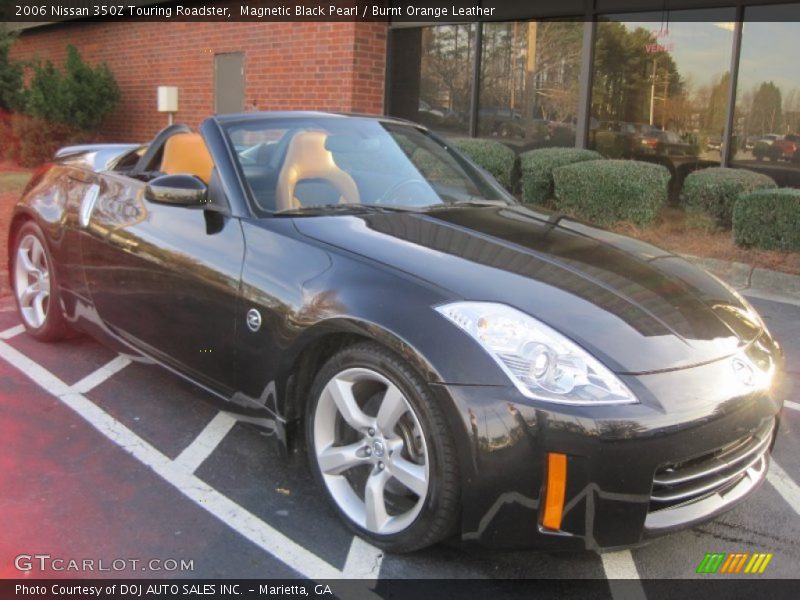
(186,153)
(307,158)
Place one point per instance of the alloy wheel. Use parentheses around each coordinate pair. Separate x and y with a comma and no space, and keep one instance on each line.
(371,451)
(32,281)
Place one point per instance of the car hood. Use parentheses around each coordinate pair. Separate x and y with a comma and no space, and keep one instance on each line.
(636,307)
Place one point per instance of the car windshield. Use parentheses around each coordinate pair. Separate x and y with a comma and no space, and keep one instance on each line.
(306,164)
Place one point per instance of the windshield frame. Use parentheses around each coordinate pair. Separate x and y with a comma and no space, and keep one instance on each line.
(472,170)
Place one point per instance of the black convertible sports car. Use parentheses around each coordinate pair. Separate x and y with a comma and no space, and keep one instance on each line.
(454,364)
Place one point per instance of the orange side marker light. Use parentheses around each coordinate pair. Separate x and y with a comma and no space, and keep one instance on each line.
(556,489)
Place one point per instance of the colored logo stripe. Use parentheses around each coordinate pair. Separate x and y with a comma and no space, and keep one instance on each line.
(720,562)
(711,562)
(734,563)
(758,563)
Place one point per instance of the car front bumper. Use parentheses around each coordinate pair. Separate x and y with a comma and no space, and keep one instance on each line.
(687,426)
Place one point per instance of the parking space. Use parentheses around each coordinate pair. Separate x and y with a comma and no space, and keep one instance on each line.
(68,491)
(109,458)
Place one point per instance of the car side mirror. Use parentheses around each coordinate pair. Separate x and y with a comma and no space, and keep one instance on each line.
(180,190)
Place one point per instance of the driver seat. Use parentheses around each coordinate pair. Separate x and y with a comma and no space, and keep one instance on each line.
(307,158)
(186,153)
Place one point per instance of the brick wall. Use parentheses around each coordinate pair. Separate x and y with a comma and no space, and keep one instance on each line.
(288,66)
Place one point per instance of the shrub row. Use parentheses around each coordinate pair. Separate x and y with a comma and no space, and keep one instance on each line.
(29,141)
(495,157)
(537,166)
(583,183)
(715,190)
(56,106)
(768,219)
(607,191)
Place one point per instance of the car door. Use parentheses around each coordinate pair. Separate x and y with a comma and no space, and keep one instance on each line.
(165,278)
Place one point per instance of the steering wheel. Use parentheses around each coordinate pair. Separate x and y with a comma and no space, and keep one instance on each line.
(405,190)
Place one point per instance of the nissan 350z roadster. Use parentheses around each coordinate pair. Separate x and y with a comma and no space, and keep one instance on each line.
(454,364)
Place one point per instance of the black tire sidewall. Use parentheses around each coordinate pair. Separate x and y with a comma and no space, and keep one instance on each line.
(438,516)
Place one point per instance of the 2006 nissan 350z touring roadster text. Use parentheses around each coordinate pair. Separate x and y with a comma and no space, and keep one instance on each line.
(454,365)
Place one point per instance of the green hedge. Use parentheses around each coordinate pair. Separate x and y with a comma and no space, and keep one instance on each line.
(768,219)
(536,167)
(32,141)
(607,191)
(495,157)
(715,190)
(77,95)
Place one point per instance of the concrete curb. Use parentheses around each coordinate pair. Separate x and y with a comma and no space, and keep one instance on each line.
(753,281)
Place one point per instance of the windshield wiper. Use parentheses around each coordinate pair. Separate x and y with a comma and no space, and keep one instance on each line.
(472,201)
(351,207)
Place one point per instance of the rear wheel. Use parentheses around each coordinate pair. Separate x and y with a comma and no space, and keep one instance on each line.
(380,447)
(36,287)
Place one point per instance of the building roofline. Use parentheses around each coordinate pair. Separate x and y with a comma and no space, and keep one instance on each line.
(24,26)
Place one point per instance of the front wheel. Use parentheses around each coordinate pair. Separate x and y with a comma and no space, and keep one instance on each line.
(380,447)
(36,286)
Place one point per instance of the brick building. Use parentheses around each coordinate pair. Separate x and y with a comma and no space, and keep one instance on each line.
(681,82)
(284,65)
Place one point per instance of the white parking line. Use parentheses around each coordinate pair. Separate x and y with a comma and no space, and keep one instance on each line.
(204,444)
(363,561)
(295,556)
(784,485)
(10,333)
(623,577)
(92,380)
(792,405)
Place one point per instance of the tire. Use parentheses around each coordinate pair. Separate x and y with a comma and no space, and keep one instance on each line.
(408,439)
(35,285)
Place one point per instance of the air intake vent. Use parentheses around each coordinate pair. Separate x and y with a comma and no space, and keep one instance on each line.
(715,472)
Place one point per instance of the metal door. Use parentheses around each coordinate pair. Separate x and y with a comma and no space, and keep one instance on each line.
(229,83)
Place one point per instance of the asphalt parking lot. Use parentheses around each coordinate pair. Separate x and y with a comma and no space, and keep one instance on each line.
(104,458)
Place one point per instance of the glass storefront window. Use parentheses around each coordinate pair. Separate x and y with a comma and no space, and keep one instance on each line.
(767,117)
(528,94)
(432,76)
(660,86)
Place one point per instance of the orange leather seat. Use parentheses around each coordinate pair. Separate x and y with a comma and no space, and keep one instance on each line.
(186,153)
(307,158)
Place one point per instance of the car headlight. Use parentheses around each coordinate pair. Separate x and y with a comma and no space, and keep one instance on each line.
(542,363)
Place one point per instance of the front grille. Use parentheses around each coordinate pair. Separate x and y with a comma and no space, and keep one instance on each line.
(715,472)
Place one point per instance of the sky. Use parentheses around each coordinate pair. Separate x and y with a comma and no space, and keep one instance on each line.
(702,45)
(770,53)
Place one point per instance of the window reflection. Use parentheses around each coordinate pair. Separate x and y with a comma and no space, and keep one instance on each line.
(446,73)
(432,74)
(528,93)
(767,116)
(660,86)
